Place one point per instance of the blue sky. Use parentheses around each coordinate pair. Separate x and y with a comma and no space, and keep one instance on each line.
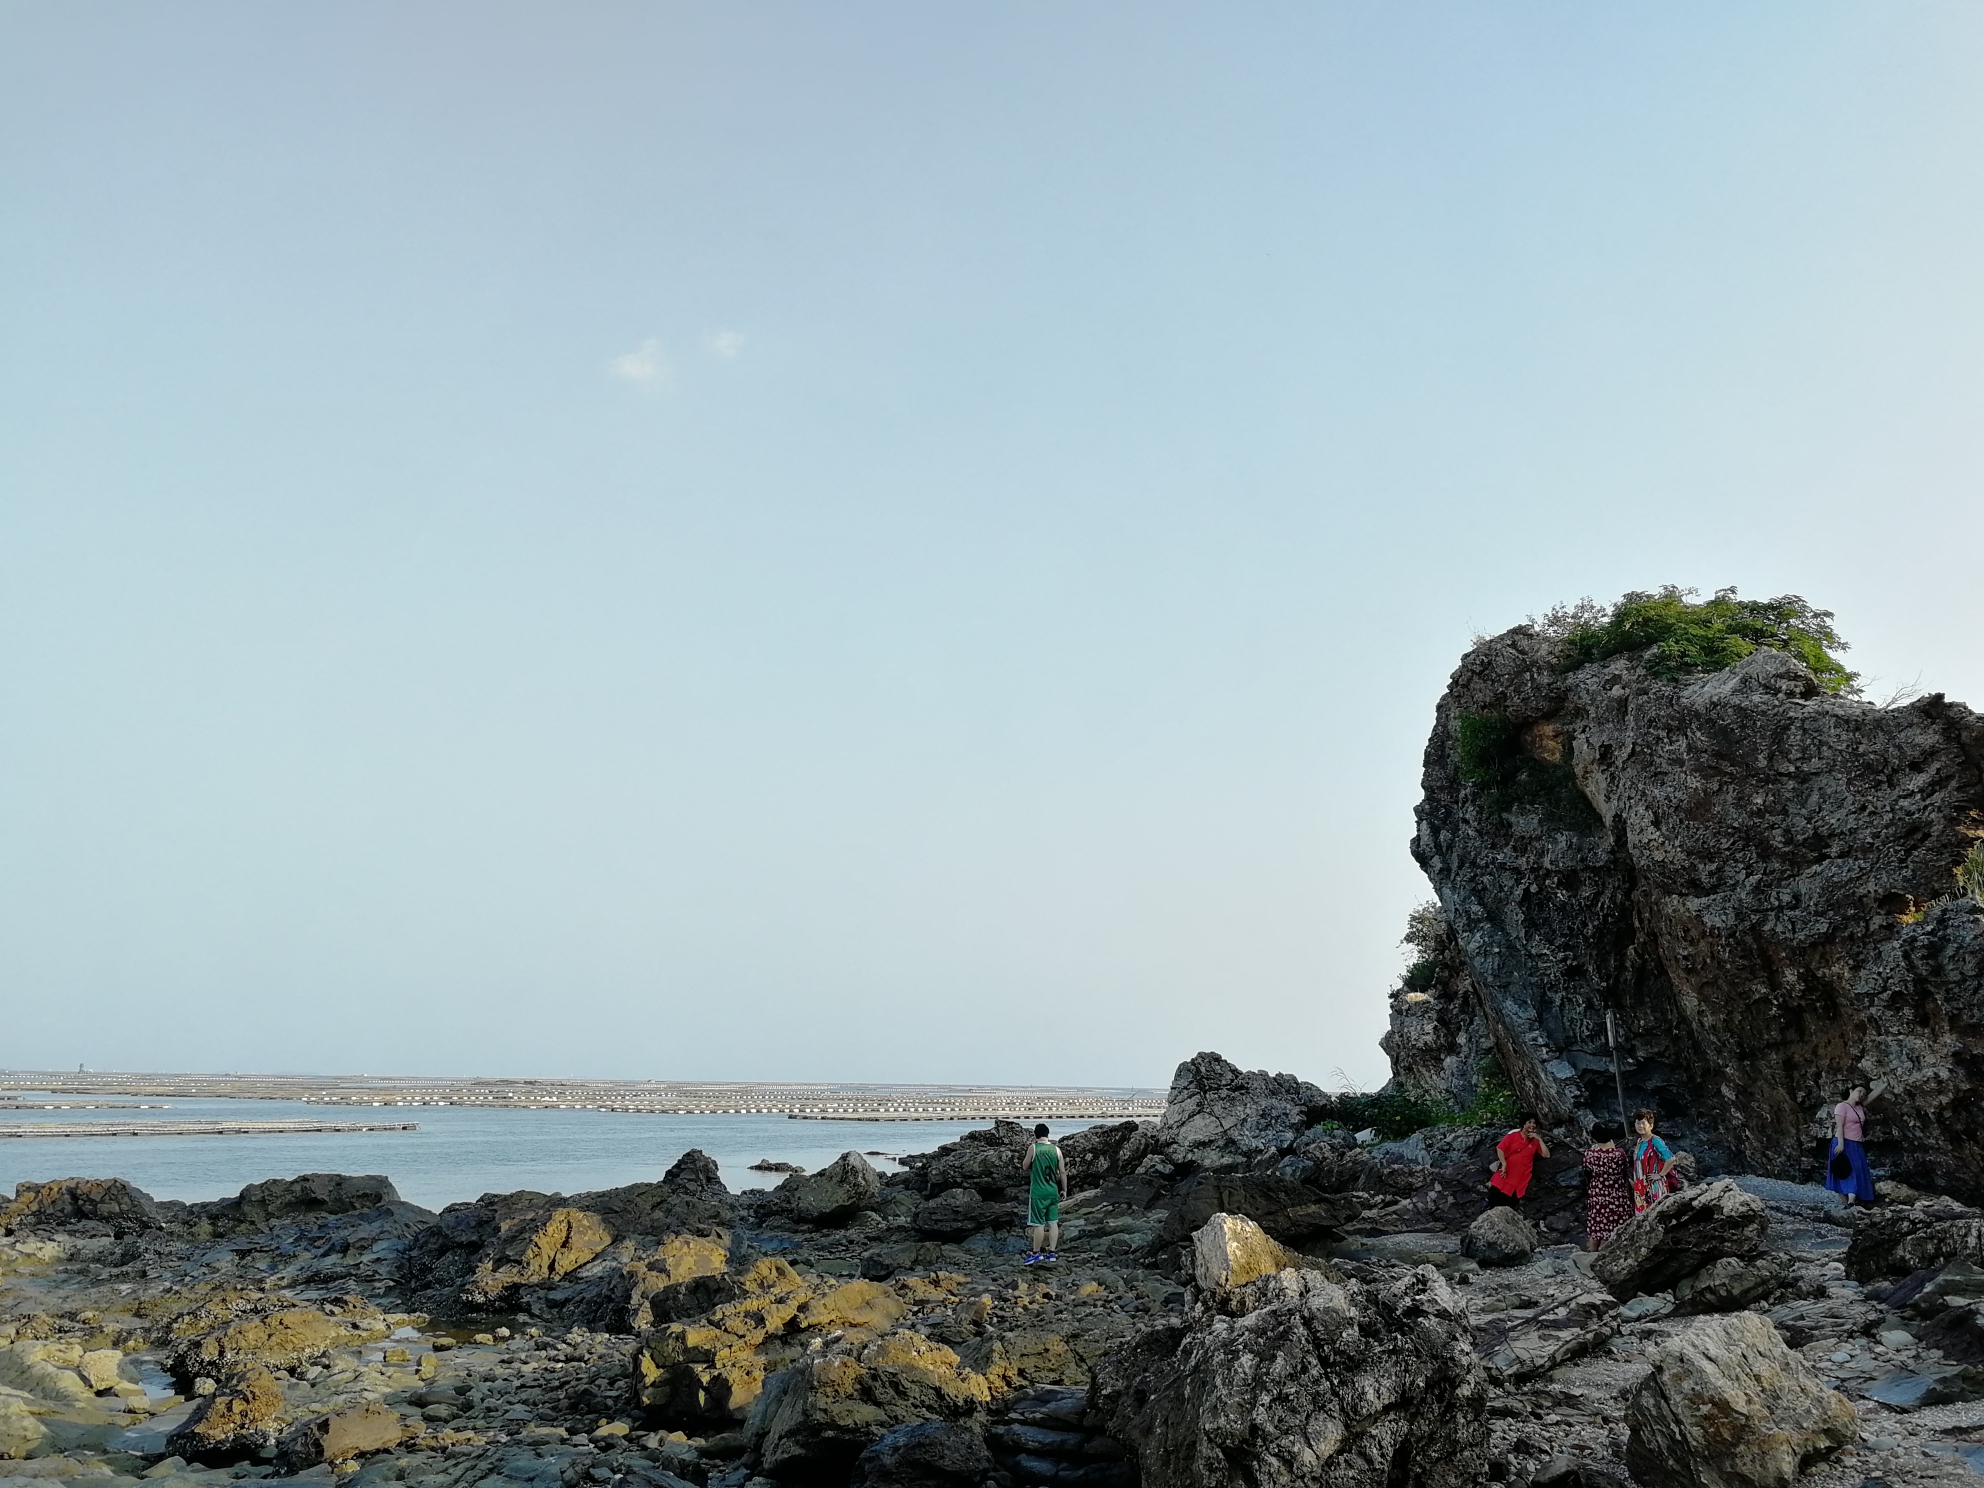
(895,542)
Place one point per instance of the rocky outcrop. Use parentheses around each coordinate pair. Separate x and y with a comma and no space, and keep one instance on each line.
(261,1204)
(1438,1042)
(1727,1405)
(341,1435)
(20,1431)
(1352,1384)
(842,1189)
(242,1417)
(1752,875)
(234,1336)
(564,1259)
(1219,1117)
(817,1417)
(1231,1251)
(1679,1236)
(103,1205)
(1897,1241)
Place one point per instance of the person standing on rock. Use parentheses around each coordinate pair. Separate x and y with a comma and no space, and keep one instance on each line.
(1652,1161)
(1608,1196)
(1515,1159)
(1047,1185)
(1849,1135)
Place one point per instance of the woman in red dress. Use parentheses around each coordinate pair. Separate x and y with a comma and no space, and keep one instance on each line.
(1608,1192)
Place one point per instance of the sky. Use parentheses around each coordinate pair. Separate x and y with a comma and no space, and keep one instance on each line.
(896,542)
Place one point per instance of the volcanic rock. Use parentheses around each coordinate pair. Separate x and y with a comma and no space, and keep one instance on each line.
(1727,1405)
(240,1418)
(817,1417)
(261,1204)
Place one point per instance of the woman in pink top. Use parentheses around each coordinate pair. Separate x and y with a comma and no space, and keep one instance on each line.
(1848,1147)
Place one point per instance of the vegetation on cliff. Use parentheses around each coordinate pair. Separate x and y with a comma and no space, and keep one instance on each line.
(1680,637)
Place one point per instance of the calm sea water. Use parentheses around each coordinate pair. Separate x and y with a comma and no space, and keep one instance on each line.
(458,1153)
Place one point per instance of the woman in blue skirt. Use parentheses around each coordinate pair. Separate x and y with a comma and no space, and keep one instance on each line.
(1849,1136)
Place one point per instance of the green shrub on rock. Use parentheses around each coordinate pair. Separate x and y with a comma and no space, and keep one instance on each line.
(1682,638)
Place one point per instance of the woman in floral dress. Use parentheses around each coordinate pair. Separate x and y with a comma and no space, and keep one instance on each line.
(1651,1160)
(1608,1197)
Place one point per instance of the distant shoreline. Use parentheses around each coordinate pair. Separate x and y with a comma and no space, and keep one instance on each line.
(825,1101)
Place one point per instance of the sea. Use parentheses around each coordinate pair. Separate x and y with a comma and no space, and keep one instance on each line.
(458,1154)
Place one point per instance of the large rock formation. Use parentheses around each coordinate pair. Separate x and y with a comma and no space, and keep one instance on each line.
(1754,876)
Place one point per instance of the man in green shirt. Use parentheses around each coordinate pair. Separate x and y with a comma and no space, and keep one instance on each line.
(1047,1185)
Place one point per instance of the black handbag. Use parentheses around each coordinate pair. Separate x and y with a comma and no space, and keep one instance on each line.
(1841,1166)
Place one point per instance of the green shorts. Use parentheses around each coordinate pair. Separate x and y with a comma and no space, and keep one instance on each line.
(1043,1209)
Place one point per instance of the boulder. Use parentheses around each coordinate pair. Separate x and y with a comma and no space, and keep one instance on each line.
(20,1432)
(240,1418)
(1516,1346)
(817,1417)
(45,1370)
(63,1203)
(1351,1384)
(1727,1405)
(991,1162)
(958,1212)
(1291,1212)
(1221,1118)
(261,1204)
(1499,1237)
(1230,1250)
(1732,1282)
(1896,1242)
(1095,1154)
(1679,1236)
(372,1426)
(99,1368)
(531,1249)
(927,1454)
(832,1196)
(864,1305)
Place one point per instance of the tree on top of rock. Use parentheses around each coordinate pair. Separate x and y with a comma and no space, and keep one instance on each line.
(1679,637)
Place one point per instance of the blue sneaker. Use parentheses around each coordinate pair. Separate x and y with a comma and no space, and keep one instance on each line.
(1051,1256)
(1032,1258)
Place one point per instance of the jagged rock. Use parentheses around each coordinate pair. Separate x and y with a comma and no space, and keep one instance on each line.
(64,1203)
(1351,1384)
(1220,1118)
(1895,1242)
(1438,1042)
(958,1212)
(1096,1154)
(46,1370)
(20,1432)
(371,1426)
(1753,876)
(1291,1212)
(1724,1285)
(1803,1322)
(1023,1357)
(815,1418)
(832,1196)
(1679,1236)
(261,1204)
(682,1277)
(1517,1347)
(466,1239)
(713,1369)
(1230,1250)
(990,1162)
(1499,1237)
(240,1418)
(1928,1292)
(1727,1405)
(260,1332)
(927,1454)
(530,1249)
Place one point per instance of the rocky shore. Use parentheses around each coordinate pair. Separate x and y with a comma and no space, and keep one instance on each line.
(1247,1294)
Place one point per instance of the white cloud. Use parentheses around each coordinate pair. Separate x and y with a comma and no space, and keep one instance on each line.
(727,344)
(645,366)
